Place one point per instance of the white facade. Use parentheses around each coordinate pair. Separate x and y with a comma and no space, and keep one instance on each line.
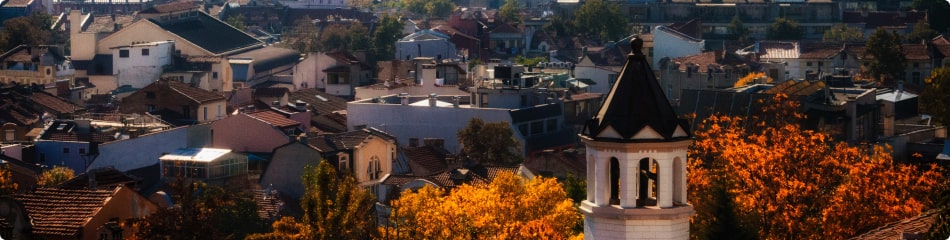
(414,121)
(672,44)
(635,212)
(140,64)
(603,76)
(425,43)
(307,73)
(144,151)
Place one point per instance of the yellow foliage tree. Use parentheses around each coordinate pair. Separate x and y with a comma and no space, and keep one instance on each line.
(750,79)
(55,176)
(7,185)
(780,181)
(508,208)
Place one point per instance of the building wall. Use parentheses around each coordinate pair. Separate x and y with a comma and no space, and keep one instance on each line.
(417,90)
(211,111)
(54,153)
(668,45)
(124,204)
(604,228)
(146,31)
(242,133)
(603,77)
(165,98)
(138,70)
(435,48)
(420,122)
(287,166)
(142,151)
(374,148)
(305,73)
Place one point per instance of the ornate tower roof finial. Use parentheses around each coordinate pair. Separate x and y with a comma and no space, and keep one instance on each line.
(636,46)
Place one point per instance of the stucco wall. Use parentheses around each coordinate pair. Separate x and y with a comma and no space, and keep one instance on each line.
(420,122)
(242,133)
(667,45)
(376,147)
(142,151)
(287,166)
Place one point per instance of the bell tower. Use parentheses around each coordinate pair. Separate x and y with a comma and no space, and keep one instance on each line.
(636,160)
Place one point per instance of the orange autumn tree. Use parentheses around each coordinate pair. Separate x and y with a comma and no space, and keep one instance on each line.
(508,208)
(767,177)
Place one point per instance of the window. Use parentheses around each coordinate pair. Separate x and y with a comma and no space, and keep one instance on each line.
(186,111)
(205,113)
(214,75)
(611,78)
(537,127)
(524,100)
(808,64)
(124,53)
(150,95)
(9,135)
(82,151)
(820,64)
(145,52)
(150,108)
(523,128)
(65,150)
(916,65)
(915,78)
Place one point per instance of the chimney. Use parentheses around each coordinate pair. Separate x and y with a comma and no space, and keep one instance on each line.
(434,142)
(299,105)
(456,100)
(404,99)
(432,99)
(275,103)
(75,21)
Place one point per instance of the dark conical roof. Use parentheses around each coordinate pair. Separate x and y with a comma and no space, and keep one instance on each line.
(635,105)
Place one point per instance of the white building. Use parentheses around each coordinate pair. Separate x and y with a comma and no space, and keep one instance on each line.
(139,64)
(203,163)
(636,161)
(669,43)
(425,43)
(326,4)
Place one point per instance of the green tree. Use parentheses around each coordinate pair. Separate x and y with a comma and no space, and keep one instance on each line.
(29,30)
(414,6)
(439,8)
(334,37)
(921,32)
(560,23)
(489,142)
(214,212)
(604,20)
(511,11)
(938,13)
(387,33)
(358,37)
(237,21)
(55,176)
(784,29)
(739,32)
(887,55)
(303,37)
(287,228)
(934,99)
(841,33)
(529,62)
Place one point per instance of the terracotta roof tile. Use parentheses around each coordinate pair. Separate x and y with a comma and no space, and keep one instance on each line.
(171,7)
(18,3)
(197,94)
(915,52)
(62,212)
(106,178)
(271,92)
(59,105)
(895,230)
(778,50)
(273,118)
(427,158)
(269,205)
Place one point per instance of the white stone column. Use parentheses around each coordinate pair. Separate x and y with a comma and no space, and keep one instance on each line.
(665,186)
(591,175)
(629,177)
(682,176)
(601,182)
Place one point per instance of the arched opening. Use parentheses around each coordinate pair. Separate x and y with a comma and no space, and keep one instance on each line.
(679,182)
(648,178)
(614,178)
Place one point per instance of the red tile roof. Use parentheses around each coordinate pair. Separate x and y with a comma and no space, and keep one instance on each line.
(18,3)
(62,212)
(942,44)
(273,118)
(915,52)
(778,50)
(895,230)
(171,7)
(59,105)
(196,94)
(505,28)
(427,158)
